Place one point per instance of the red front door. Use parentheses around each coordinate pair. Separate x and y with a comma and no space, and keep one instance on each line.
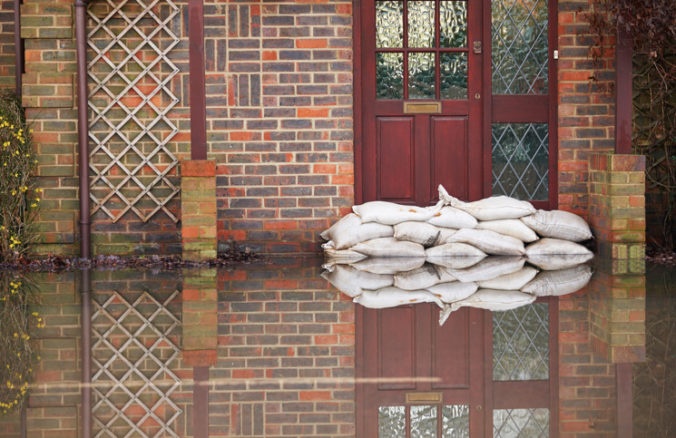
(421,100)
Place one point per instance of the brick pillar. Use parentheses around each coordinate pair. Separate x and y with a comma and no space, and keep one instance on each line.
(200,314)
(198,209)
(617,205)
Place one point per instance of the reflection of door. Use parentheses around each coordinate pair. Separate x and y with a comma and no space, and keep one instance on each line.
(421,99)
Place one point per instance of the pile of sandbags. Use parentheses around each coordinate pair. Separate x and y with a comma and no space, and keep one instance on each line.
(495,253)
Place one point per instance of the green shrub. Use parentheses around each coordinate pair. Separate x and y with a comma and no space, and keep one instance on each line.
(19,199)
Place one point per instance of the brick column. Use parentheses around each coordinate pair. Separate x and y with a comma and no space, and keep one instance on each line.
(200,314)
(617,205)
(198,209)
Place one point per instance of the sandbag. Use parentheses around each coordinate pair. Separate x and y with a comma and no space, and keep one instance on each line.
(489,241)
(350,230)
(352,281)
(419,278)
(559,224)
(513,281)
(510,227)
(489,299)
(450,292)
(389,247)
(553,262)
(455,262)
(489,268)
(561,282)
(445,235)
(451,217)
(389,265)
(488,209)
(390,213)
(454,249)
(418,232)
(332,255)
(392,297)
(551,246)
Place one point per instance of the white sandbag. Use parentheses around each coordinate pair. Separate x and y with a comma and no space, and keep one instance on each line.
(390,265)
(392,297)
(488,209)
(390,213)
(551,246)
(350,230)
(553,262)
(389,247)
(559,224)
(489,241)
(561,282)
(352,281)
(489,299)
(514,281)
(489,268)
(453,249)
(455,262)
(451,217)
(333,256)
(419,278)
(445,274)
(445,235)
(418,232)
(453,291)
(510,227)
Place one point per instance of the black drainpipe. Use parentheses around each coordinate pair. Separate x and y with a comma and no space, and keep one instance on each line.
(83,124)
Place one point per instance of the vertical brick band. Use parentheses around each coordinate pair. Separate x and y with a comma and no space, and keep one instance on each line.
(198,210)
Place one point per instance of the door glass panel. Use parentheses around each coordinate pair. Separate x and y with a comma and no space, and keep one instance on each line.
(532,423)
(521,160)
(453,75)
(389,75)
(389,24)
(391,421)
(455,421)
(521,343)
(423,421)
(520,46)
(453,24)
(421,76)
(421,24)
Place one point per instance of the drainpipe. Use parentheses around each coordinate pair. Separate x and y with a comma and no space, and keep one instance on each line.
(623,92)
(83,124)
(18,48)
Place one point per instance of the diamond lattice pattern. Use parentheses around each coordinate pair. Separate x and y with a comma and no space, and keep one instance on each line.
(130,98)
(133,347)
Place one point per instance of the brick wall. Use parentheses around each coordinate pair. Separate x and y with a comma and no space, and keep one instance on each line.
(7,46)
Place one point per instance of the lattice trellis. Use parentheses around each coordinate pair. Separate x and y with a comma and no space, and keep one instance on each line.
(132,351)
(130,73)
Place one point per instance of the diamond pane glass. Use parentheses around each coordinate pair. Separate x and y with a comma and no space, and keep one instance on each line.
(521,343)
(389,75)
(389,24)
(455,421)
(423,421)
(421,76)
(520,46)
(391,421)
(453,75)
(531,423)
(421,24)
(521,160)
(453,24)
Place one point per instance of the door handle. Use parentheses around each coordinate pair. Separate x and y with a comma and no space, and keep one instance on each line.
(476,47)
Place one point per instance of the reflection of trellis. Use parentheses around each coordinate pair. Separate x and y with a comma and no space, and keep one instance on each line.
(132,351)
(130,74)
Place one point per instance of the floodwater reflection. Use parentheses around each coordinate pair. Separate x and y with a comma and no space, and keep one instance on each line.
(275,349)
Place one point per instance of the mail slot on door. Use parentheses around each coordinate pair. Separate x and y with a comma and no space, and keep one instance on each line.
(422,107)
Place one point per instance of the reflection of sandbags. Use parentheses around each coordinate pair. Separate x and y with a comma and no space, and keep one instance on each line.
(552,262)
(453,291)
(453,249)
(393,297)
(550,246)
(559,224)
(489,209)
(510,227)
(389,247)
(489,241)
(489,299)
(391,265)
(350,230)
(332,255)
(445,236)
(352,281)
(514,281)
(418,232)
(561,282)
(389,213)
(489,269)
(451,217)
(419,278)
(455,262)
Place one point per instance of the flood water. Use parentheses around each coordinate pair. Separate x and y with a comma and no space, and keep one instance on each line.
(277,349)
